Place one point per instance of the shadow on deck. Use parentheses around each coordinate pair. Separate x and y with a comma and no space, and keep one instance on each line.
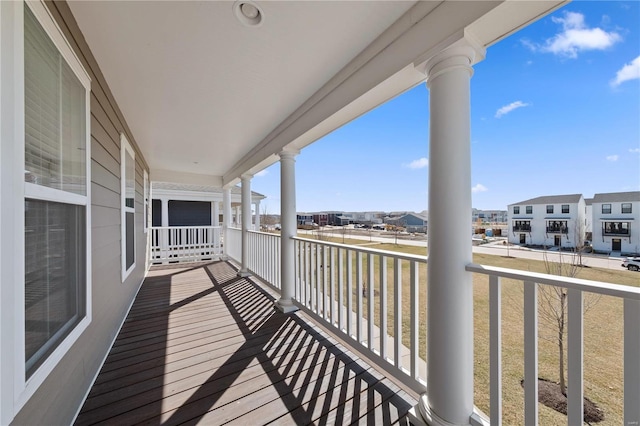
(201,345)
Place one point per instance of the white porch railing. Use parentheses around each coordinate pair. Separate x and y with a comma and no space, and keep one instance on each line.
(184,243)
(371,297)
(335,283)
(233,243)
(264,257)
(576,288)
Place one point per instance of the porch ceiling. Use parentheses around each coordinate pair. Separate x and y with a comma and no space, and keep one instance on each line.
(207,96)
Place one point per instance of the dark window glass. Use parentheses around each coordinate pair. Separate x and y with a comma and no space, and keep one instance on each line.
(565,208)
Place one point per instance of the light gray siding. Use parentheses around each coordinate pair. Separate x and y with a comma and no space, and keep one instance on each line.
(60,396)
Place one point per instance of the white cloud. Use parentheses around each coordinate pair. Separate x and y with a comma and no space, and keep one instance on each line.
(630,71)
(634,150)
(575,37)
(508,108)
(262,173)
(612,158)
(479,188)
(420,163)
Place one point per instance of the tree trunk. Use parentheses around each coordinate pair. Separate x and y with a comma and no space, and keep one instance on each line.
(563,301)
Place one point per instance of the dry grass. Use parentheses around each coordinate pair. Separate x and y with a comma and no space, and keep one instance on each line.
(603,336)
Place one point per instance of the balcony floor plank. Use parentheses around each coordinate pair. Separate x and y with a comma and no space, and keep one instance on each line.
(201,345)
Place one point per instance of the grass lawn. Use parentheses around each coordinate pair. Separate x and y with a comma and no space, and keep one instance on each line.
(603,336)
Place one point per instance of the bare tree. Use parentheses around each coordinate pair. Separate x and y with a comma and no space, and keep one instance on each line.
(552,310)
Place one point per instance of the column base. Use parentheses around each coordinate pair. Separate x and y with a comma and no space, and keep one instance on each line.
(421,415)
(286,307)
(243,274)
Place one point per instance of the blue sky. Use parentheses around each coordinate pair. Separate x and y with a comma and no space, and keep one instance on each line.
(555,109)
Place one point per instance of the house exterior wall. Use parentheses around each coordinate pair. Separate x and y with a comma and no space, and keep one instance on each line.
(603,242)
(58,398)
(539,220)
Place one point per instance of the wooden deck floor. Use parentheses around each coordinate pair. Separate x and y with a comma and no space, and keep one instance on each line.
(201,345)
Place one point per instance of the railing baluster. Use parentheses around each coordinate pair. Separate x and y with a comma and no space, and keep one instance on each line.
(325,295)
(530,353)
(370,301)
(318,277)
(415,319)
(341,289)
(383,307)
(332,284)
(575,390)
(359,312)
(397,312)
(495,342)
(349,309)
(631,362)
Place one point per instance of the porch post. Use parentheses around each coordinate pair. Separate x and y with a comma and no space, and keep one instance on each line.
(257,226)
(246,224)
(164,234)
(288,230)
(215,213)
(449,396)
(226,219)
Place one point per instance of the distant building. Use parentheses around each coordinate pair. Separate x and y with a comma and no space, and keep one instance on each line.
(554,220)
(304,219)
(411,222)
(489,216)
(616,222)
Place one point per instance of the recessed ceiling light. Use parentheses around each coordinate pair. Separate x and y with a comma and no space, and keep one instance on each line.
(248,13)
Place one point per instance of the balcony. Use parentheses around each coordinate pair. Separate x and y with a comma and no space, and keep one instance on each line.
(522,228)
(200,341)
(557,230)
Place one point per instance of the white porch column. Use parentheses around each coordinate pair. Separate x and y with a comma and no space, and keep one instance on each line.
(164,203)
(288,230)
(226,219)
(215,213)
(257,228)
(449,397)
(246,224)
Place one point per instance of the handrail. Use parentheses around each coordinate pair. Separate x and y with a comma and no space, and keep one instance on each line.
(388,253)
(607,289)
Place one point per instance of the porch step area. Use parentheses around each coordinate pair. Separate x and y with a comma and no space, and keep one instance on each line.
(202,345)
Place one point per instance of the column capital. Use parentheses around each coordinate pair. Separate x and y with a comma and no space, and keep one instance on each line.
(288,154)
(461,54)
(246,176)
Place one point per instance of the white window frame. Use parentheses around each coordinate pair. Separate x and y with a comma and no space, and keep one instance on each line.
(15,389)
(125,147)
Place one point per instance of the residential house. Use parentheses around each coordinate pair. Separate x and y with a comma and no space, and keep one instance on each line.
(616,222)
(588,218)
(321,219)
(411,222)
(489,216)
(338,218)
(553,220)
(101,99)
(304,219)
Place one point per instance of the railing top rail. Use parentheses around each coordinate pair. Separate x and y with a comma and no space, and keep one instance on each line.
(185,227)
(270,234)
(387,253)
(607,289)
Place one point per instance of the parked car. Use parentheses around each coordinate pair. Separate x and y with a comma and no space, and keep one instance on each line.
(632,263)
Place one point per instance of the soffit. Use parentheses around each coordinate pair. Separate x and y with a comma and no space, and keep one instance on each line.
(199,90)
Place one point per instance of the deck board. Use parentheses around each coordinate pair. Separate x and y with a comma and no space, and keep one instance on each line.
(203,346)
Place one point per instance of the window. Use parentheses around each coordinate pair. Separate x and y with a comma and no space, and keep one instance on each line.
(626,207)
(516,209)
(529,209)
(549,208)
(128,192)
(606,209)
(56,193)
(565,208)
